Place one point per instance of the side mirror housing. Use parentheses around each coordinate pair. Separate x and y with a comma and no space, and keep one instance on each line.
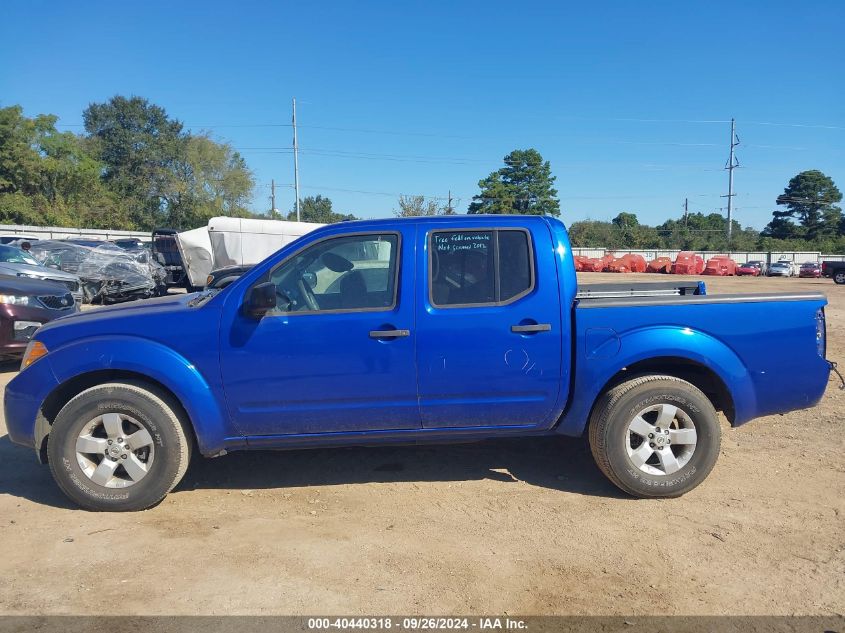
(260,299)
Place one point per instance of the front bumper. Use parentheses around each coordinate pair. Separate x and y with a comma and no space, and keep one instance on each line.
(22,402)
(14,340)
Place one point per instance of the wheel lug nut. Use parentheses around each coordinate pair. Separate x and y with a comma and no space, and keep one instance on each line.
(110,442)
(666,431)
(120,439)
(123,456)
(651,444)
(651,435)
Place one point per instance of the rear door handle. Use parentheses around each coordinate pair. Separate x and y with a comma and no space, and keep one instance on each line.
(389,333)
(527,329)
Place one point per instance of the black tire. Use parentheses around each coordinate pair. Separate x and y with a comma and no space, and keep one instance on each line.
(610,437)
(839,277)
(146,408)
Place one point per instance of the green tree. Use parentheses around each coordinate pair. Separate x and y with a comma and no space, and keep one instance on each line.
(141,149)
(411,206)
(524,185)
(318,209)
(47,176)
(212,180)
(626,219)
(811,198)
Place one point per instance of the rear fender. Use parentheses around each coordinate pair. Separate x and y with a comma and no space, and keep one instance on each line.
(592,374)
(157,362)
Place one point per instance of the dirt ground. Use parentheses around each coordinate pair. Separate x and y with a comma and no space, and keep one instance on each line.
(507,527)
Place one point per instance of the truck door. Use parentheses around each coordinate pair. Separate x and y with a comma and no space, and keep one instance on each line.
(337,353)
(488,326)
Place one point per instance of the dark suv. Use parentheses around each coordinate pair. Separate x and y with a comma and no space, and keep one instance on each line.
(25,305)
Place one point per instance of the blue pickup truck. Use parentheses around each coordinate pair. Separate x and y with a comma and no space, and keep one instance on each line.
(405,331)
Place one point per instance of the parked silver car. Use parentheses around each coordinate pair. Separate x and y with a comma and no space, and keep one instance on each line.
(780,269)
(19,263)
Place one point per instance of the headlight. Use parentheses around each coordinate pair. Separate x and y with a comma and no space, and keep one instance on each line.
(16,300)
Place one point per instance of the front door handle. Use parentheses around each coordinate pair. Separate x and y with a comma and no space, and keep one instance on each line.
(528,329)
(389,333)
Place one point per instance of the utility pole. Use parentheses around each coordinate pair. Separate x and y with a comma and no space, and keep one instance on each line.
(295,161)
(449,203)
(272,199)
(686,211)
(732,164)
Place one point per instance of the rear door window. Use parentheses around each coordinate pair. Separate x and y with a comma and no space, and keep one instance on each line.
(478,268)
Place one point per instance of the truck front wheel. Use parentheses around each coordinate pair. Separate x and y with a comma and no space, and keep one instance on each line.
(655,436)
(118,446)
(839,277)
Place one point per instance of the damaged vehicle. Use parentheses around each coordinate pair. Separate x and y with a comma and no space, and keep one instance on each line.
(108,273)
(19,263)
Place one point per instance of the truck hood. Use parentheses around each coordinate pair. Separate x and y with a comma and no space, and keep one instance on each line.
(122,318)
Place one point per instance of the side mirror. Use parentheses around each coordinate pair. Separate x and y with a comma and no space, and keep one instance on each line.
(260,299)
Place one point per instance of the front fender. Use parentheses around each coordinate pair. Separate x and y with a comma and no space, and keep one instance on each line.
(157,362)
(594,371)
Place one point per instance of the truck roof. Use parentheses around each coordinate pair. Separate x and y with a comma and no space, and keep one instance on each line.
(485,219)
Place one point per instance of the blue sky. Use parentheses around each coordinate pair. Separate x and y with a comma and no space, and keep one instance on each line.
(628,100)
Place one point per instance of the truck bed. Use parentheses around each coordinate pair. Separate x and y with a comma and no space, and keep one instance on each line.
(765,345)
(647,289)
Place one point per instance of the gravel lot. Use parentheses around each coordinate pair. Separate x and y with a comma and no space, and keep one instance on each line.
(518,527)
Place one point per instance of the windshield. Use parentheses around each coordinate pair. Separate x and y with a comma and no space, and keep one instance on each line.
(12,255)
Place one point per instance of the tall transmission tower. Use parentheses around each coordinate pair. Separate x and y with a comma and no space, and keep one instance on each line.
(295,161)
(732,164)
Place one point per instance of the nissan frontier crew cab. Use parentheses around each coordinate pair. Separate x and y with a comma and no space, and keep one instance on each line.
(404,331)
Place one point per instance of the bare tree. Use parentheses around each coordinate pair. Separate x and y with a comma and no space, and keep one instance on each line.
(412,206)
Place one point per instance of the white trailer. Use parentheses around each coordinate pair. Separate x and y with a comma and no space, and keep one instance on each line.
(234,242)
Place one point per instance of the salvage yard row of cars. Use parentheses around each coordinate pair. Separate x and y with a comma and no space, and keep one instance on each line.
(41,280)
(690,263)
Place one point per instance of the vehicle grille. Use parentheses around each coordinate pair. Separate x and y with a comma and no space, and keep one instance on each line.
(57,302)
(70,285)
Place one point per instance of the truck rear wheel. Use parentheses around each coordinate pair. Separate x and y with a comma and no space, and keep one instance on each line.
(655,436)
(118,446)
(839,277)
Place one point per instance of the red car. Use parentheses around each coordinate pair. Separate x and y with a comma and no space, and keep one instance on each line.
(753,269)
(627,264)
(720,265)
(810,269)
(660,265)
(688,263)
